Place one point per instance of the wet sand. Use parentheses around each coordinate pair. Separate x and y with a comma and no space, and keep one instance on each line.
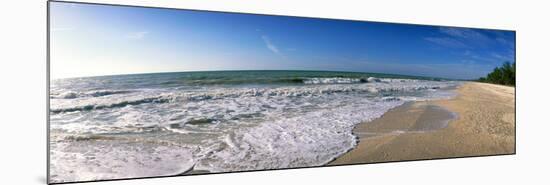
(480,120)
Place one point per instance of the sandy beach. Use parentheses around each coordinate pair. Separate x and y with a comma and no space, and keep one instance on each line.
(480,120)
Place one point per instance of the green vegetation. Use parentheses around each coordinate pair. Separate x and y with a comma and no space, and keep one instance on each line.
(504,75)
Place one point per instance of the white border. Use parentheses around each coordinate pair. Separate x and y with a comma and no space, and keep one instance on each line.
(22,118)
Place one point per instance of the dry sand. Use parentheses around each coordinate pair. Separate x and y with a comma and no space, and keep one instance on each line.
(483,123)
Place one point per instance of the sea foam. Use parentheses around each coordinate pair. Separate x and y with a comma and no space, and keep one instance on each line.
(170,131)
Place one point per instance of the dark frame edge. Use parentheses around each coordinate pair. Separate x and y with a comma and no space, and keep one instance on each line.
(515,94)
(48,92)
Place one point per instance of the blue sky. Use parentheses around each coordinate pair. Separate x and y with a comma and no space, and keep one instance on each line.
(92,40)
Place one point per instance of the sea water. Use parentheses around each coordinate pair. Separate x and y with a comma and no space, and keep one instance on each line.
(140,125)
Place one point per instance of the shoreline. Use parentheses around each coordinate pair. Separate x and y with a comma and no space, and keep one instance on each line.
(479,120)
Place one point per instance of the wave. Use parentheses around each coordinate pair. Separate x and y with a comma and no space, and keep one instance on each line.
(76,137)
(309,91)
(341,80)
(336,80)
(113,105)
(106,93)
(73,95)
(298,81)
(282,80)
(139,98)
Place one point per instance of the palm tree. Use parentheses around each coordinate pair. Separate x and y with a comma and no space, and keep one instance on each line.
(505,75)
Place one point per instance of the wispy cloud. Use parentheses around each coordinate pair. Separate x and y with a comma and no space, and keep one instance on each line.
(136,35)
(492,58)
(496,55)
(465,33)
(270,45)
(468,62)
(468,36)
(460,38)
(475,45)
(503,57)
(505,42)
(447,42)
(463,69)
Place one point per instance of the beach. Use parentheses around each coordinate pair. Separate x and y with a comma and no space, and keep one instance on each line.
(482,122)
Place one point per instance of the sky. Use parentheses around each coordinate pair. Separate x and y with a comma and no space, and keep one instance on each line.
(95,40)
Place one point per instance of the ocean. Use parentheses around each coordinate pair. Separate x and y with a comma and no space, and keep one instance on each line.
(140,125)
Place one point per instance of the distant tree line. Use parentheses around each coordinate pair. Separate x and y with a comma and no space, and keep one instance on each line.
(504,75)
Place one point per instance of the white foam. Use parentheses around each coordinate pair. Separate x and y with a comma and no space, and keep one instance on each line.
(372,79)
(312,139)
(115,159)
(243,128)
(337,80)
